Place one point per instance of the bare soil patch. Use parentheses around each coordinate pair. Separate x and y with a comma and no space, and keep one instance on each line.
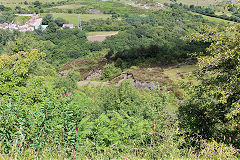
(100,38)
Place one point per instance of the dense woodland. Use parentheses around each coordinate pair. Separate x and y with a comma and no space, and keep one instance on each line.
(46,114)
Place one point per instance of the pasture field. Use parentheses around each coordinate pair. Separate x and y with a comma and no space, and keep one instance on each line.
(13,3)
(188,2)
(224,12)
(22,1)
(214,19)
(70,6)
(196,2)
(21,19)
(73,18)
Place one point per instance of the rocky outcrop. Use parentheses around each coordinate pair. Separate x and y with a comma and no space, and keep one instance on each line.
(96,74)
(135,83)
(139,84)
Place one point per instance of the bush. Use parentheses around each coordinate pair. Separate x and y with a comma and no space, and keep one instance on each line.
(214,150)
(96,46)
(68,82)
(47,19)
(60,21)
(110,70)
(119,63)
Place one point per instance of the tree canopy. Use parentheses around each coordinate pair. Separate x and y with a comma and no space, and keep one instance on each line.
(213,109)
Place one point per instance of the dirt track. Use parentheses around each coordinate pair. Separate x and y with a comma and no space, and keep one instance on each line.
(91,83)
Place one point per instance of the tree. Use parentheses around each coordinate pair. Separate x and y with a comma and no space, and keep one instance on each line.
(14,70)
(52,27)
(192,7)
(36,4)
(6,35)
(47,19)
(96,46)
(25,43)
(213,108)
(7,17)
(2,7)
(60,21)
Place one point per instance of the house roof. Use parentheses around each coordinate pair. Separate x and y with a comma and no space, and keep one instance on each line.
(67,25)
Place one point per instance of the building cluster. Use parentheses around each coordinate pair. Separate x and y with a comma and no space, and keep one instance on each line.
(28,26)
(34,23)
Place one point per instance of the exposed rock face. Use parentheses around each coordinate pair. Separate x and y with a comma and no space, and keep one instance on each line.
(136,83)
(150,85)
(96,74)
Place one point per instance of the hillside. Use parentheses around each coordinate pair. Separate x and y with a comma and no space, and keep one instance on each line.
(119,79)
(207,3)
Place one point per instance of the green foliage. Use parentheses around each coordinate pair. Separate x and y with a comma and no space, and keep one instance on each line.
(47,19)
(156,36)
(212,109)
(127,118)
(64,44)
(2,7)
(15,70)
(214,150)
(52,27)
(37,4)
(39,117)
(45,116)
(26,43)
(60,21)
(42,68)
(110,70)
(6,35)
(7,17)
(67,82)
(96,46)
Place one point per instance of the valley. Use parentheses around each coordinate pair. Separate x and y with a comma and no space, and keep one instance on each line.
(119,79)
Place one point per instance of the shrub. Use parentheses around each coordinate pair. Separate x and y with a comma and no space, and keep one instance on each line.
(110,70)
(96,46)
(214,150)
(68,82)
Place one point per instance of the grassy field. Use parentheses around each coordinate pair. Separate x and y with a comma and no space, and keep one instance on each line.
(73,18)
(13,3)
(21,19)
(179,73)
(29,1)
(70,6)
(214,19)
(73,6)
(224,12)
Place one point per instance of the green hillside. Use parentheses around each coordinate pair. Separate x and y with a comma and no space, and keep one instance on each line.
(135,80)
